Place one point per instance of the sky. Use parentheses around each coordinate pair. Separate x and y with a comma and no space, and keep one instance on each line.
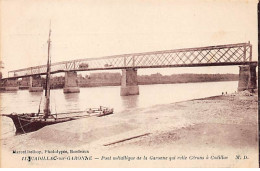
(97,28)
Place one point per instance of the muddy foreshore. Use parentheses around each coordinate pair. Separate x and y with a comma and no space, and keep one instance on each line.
(214,127)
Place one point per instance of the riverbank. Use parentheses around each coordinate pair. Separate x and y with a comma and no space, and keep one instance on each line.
(102,84)
(107,84)
(220,126)
(114,79)
(217,127)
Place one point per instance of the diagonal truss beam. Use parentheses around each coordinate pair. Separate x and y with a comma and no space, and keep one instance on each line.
(231,54)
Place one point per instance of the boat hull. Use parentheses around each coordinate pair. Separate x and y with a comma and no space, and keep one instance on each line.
(25,125)
(29,122)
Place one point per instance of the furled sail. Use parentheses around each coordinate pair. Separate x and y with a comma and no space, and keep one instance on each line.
(48,74)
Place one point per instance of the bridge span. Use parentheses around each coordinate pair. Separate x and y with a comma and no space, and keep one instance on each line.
(221,55)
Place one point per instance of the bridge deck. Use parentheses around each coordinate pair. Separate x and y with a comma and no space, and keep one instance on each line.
(232,54)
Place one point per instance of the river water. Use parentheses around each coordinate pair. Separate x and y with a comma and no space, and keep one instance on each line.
(150,95)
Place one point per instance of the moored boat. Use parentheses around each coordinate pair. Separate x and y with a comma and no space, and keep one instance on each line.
(28,122)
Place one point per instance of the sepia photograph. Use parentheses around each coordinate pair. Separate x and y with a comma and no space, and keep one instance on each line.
(129,84)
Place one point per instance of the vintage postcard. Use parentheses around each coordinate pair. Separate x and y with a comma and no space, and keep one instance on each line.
(133,83)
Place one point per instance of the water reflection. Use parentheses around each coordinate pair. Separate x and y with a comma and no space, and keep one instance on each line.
(71,102)
(9,92)
(36,94)
(150,95)
(130,101)
(71,97)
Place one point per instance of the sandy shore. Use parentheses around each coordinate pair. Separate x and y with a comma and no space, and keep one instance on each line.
(216,127)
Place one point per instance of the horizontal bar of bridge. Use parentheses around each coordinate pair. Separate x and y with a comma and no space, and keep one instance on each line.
(241,52)
(160,52)
(154,66)
(144,53)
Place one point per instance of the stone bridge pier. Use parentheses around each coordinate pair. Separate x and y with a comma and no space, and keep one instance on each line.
(11,84)
(71,82)
(129,84)
(35,84)
(247,77)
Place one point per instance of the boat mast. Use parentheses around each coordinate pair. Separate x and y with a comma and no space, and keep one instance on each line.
(48,74)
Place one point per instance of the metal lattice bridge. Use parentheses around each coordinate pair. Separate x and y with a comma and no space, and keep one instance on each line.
(232,54)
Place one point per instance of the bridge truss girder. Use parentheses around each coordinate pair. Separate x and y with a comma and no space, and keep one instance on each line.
(232,54)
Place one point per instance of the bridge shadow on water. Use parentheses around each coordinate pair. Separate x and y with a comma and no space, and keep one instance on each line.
(130,102)
(71,97)
(10,92)
(36,94)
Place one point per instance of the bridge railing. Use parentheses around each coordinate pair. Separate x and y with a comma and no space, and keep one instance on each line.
(211,55)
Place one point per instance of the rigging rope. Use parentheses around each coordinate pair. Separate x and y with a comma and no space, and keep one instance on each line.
(55,102)
(18,128)
(40,105)
(21,125)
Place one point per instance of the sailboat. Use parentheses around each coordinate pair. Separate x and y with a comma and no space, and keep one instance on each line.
(29,122)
